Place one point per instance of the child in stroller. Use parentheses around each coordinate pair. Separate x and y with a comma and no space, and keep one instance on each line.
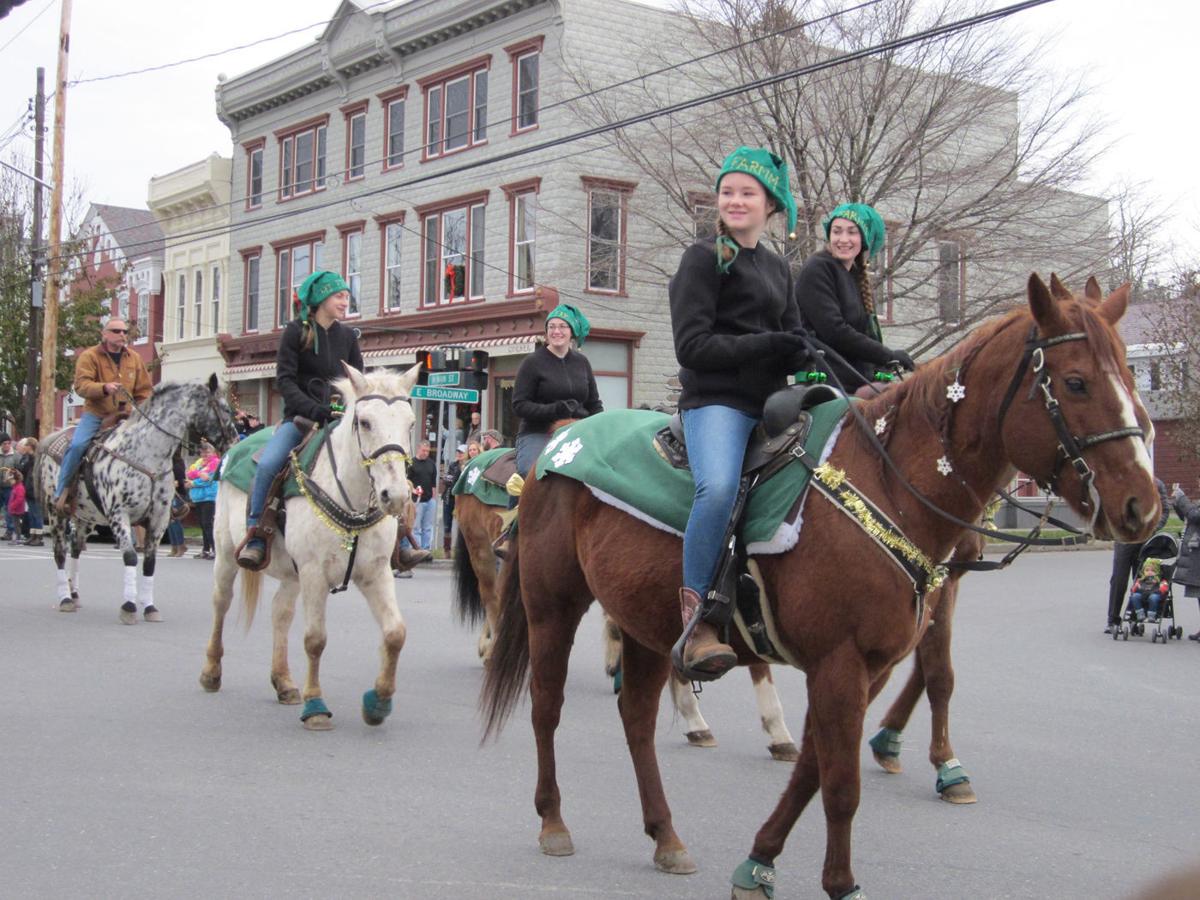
(1148,593)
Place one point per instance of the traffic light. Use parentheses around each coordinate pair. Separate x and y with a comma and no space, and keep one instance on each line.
(474,370)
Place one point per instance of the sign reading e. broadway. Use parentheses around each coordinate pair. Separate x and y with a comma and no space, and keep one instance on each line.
(444,394)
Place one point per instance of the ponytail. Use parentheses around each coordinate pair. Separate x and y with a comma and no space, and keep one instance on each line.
(864,284)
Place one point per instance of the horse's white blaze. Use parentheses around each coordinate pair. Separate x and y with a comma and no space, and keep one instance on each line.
(146,590)
(129,595)
(771,711)
(1129,420)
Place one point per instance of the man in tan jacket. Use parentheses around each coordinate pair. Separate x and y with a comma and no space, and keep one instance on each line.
(105,376)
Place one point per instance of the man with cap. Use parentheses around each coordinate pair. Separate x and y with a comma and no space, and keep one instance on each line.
(312,348)
(734,321)
(106,376)
(833,291)
(491,439)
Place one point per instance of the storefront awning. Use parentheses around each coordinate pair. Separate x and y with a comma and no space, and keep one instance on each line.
(507,346)
(250,372)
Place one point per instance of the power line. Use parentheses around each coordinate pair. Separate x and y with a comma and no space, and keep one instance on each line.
(27,24)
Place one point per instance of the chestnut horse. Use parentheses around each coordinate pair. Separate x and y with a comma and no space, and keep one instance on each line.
(1071,394)
(476,598)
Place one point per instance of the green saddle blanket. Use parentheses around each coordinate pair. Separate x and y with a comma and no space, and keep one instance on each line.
(613,453)
(239,465)
(472,481)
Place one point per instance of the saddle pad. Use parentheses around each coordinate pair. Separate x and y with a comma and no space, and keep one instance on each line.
(477,479)
(613,453)
(241,462)
(56,445)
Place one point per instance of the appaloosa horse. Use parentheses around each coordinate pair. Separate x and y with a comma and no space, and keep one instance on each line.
(132,483)
(1069,395)
(359,481)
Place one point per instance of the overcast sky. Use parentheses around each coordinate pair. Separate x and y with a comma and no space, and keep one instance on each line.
(1140,57)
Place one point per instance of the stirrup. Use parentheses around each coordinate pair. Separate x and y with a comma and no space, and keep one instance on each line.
(678,651)
(251,535)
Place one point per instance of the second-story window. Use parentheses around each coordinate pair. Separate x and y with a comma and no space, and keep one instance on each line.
(606,221)
(352,265)
(356,142)
(216,299)
(143,317)
(392,235)
(456,109)
(294,263)
(524,234)
(251,312)
(527,90)
(254,177)
(302,160)
(198,302)
(452,255)
(180,307)
(393,127)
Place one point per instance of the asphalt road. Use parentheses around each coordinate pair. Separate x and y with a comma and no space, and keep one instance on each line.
(120,777)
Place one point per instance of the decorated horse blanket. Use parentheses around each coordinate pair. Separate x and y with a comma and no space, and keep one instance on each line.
(241,462)
(614,454)
(485,476)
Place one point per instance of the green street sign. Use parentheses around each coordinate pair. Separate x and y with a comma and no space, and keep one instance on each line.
(445,379)
(444,394)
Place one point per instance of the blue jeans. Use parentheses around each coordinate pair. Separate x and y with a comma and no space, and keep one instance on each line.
(175,533)
(716,443)
(529,448)
(85,430)
(423,526)
(34,511)
(1152,602)
(274,457)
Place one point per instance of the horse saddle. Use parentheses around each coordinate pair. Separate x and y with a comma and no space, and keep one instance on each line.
(502,469)
(785,423)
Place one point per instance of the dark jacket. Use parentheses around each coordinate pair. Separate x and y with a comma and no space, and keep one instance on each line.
(549,388)
(1187,570)
(303,376)
(726,327)
(831,308)
(24,465)
(423,474)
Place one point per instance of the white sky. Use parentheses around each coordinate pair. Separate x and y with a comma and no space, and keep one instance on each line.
(1140,57)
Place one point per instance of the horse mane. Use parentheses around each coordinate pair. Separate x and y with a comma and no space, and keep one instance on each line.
(381,381)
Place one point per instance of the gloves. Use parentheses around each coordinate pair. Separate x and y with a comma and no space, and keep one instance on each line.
(905,361)
(322,414)
(568,409)
(771,344)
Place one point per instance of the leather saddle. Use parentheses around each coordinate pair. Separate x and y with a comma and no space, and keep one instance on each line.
(504,467)
(785,422)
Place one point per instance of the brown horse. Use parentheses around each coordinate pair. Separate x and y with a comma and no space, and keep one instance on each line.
(476,599)
(573,547)
(932,672)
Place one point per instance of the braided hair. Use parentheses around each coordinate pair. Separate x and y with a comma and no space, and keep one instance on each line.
(864,283)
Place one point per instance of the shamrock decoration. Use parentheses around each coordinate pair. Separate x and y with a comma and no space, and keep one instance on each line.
(567,452)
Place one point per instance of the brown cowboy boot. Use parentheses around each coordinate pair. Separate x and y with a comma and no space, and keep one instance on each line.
(405,558)
(705,657)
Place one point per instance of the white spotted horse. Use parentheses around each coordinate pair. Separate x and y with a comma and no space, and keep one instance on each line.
(126,479)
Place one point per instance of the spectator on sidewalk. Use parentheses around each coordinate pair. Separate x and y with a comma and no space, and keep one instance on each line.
(1124,564)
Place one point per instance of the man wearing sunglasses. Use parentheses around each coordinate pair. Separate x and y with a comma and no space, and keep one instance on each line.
(106,376)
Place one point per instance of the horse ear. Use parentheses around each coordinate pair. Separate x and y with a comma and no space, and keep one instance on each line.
(1044,307)
(409,378)
(1115,304)
(1058,290)
(1092,290)
(356,379)
(212,383)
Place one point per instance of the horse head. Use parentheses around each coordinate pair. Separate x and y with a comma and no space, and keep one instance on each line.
(1075,421)
(212,417)
(381,418)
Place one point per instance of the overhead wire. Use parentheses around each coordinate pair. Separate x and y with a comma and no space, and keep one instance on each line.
(7,43)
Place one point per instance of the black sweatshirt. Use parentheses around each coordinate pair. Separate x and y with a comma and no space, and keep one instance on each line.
(724,327)
(303,376)
(549,388)
(832,309)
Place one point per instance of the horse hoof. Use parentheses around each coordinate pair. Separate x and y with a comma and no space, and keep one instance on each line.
(959,793)
(128,614)
(674,862)
(319,722)
(151,614)
(289,697)
(701,738)
(556,843)
(889,764)
(785,752)
(211,683)
(67,605)
(374,708)
(75,598)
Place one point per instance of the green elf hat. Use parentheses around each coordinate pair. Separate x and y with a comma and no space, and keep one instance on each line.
(771,172)
(574,318)
(869,222)
(315,290)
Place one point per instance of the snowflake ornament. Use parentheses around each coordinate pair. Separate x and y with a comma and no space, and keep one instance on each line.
(881,424)
(473,476)
(943,466)
(956,391)
(567,452)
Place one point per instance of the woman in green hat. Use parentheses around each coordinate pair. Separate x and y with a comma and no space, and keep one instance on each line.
(833,291)
(735,322)
(311,352)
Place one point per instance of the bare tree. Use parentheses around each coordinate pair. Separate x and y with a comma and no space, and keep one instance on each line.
(1140,251)
(1173,336)
(966,144)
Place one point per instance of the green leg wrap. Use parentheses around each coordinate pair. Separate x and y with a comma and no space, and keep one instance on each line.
(374,709)
(750,875)
(951,773)
(886,742)
(314,707)
(855,893)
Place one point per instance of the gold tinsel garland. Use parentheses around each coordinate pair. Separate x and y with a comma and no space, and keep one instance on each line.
(347,535)
(885,534)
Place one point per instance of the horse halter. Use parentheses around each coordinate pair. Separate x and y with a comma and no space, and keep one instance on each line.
(1070,447)
(388,452)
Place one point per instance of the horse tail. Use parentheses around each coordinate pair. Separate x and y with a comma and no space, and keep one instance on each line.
(508,668)
(251,585)
(468,601)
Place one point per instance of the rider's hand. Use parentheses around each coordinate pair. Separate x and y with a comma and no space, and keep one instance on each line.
(905,361)
(112,387)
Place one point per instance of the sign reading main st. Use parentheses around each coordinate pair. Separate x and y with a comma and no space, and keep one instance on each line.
(444,394)
(445,379)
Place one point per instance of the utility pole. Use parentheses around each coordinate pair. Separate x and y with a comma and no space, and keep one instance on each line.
(36,252)
(50,323)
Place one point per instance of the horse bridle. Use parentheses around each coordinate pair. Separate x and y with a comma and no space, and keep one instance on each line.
(1070,447)
(178,438)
